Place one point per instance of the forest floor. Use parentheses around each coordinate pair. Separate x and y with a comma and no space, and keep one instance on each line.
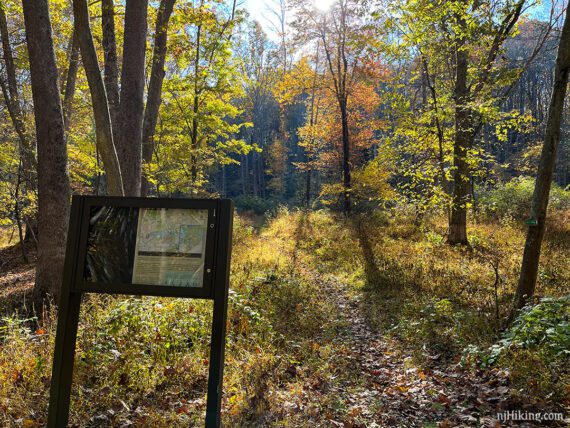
(383,385)
(332,323)
(16,278)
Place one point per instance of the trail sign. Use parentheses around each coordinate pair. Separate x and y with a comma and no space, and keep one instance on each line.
(143,246)
(531,222)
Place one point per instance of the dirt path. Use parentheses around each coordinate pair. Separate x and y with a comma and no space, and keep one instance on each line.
(392,392)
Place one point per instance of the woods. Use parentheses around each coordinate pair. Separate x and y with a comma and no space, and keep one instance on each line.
(400,168)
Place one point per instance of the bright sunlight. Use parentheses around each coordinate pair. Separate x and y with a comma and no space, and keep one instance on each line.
(323,5)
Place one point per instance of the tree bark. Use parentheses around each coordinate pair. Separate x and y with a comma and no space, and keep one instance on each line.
(103,128)
(195,110)
(345,157)
(110,62)
(131,107)
(53,177)
(308,189)
(70,81)
(535,234)
(154,94)
(457,233)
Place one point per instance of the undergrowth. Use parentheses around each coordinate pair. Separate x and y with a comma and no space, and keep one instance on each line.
(144,361)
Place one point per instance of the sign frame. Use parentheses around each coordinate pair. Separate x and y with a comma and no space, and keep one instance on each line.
(215,287)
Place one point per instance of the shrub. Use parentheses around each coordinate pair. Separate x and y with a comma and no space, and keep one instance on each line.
(440,326)
(545,326)
(513,198)
(535,349)
(252,203)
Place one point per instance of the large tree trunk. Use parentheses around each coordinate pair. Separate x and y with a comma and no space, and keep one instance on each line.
(110,62)
(131,108)
(53,178)
(457,233)
(154,94)
(103,129)
(529,268)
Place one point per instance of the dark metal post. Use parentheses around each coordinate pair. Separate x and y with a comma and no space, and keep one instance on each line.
(69,304)
(221,288)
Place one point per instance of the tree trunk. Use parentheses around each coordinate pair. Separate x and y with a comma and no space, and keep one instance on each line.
(260,170)
(70,81)
(457,233)
(243,173)
(345,157)
(308,189)
(103,129)
(18,215)
(12,98)
(131,108)
(110,62)
(53,178)
(195,110)
(254,182)
(155,85)
(529,268)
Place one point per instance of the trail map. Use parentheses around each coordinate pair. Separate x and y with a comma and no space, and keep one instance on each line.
(170,247)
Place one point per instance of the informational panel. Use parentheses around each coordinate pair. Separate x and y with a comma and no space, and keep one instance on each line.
(143,246)
(148,247)
(170,247)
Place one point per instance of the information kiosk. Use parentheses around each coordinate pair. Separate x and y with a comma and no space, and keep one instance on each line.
(143,246)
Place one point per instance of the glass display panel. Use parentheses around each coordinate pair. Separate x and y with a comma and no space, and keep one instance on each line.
(152,246)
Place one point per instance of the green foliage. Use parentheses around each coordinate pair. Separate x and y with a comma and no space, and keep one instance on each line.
(545,326)
(514,197)
(199,124)
(535,348)
(439,327)
(425,127)
(259,206)
(371,181)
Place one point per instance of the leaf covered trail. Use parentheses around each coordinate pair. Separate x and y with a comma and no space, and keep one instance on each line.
(383,386)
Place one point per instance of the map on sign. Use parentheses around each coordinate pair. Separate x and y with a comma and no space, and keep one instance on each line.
(170,247)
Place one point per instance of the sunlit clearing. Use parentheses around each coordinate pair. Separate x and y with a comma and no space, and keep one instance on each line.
(323,5)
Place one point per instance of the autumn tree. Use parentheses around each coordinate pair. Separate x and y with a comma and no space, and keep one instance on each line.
(154,96)
(279,150)
(53,178)
(537,221)
(347,39)
(197,129)
(459,49)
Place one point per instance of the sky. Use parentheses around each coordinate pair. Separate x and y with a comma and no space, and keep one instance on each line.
(260,11)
